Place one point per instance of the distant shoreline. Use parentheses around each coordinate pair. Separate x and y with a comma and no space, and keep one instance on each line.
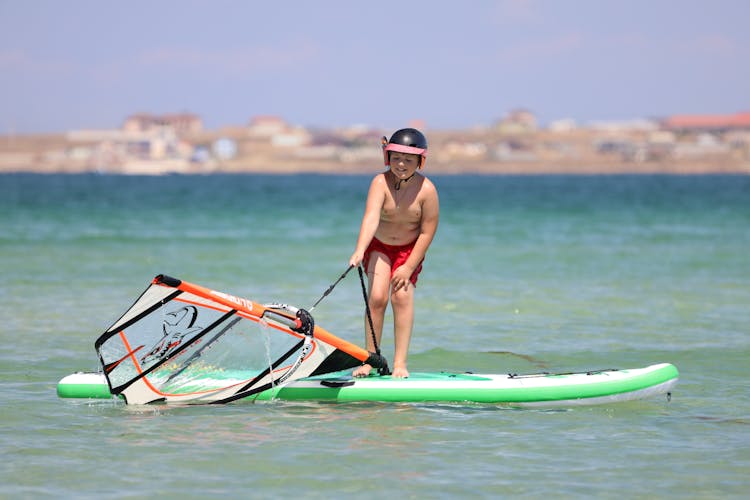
(580,152)
(436,167)
(582,172)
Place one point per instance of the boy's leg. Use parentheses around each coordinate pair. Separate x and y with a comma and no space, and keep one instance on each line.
(379,281)
(402,302)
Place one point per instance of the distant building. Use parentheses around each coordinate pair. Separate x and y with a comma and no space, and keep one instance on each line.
(616,126)
(518,121)
(564,125)
(293,138)
(707,123)
(224,148)
(267,126)
(180,123)
(277,132)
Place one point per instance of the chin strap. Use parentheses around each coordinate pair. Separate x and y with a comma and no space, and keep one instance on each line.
(398,183)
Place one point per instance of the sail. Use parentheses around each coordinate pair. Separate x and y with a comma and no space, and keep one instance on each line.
(184,343)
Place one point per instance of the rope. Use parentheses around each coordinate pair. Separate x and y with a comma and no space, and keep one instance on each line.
(383,364)
(330,288)
(367,310)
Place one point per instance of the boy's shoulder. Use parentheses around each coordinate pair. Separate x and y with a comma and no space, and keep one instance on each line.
(379,178)
(427,183)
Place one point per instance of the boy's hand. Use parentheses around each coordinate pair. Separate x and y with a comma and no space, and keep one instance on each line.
(401,278)
(356,259)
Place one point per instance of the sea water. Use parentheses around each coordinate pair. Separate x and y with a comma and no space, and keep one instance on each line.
(526,274)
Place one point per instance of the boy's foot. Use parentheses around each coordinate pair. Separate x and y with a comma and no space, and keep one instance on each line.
(362,371)
(400,372)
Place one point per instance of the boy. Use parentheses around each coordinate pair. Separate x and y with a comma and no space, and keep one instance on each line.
(400,220)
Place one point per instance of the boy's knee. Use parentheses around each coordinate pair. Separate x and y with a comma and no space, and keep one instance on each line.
(401,300)
(378,301)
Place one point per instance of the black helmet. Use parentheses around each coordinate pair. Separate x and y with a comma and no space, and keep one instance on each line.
(406,140)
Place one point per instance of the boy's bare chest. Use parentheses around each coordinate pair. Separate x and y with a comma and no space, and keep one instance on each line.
(405,210)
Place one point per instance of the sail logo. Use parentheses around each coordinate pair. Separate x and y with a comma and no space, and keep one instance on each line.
(176,325)
(244,303)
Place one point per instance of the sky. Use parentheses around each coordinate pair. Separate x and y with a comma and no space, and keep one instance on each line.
(88,64)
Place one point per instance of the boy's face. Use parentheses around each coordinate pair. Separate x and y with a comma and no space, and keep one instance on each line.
(404,164)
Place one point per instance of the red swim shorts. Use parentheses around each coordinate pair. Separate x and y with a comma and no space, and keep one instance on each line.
(397,254)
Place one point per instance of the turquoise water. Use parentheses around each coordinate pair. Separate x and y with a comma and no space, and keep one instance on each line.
(526,274)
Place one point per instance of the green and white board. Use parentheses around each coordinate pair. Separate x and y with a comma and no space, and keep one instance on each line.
(183,343)
(564,389)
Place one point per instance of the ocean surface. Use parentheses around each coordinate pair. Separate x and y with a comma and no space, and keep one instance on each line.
(526,274)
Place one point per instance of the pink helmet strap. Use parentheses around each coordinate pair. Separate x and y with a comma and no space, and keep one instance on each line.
(405,149)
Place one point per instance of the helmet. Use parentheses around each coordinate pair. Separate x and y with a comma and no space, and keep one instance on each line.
(406,140)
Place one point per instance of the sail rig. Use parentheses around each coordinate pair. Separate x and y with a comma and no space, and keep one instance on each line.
(184,343)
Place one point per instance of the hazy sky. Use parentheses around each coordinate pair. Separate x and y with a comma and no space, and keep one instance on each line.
(69,64)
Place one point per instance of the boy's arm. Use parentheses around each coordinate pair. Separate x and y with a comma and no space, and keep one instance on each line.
(370,220)
(427,230)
